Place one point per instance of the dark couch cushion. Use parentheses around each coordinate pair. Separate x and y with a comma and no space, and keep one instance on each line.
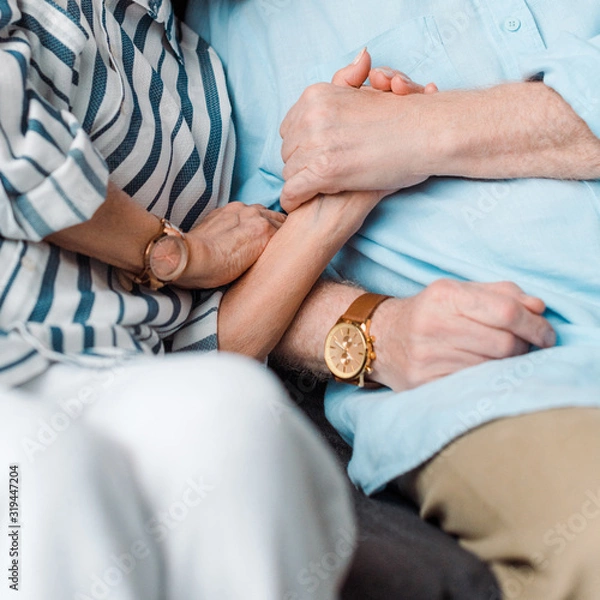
(399,556)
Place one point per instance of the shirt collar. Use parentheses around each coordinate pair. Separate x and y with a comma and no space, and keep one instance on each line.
(162,12)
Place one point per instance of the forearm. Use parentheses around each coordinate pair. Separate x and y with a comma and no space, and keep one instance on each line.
(117,233)
(257,310)
(302,345)
(508,131)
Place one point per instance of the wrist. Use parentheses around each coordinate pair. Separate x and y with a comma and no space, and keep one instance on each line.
(419,148)
(195,274)
(332,219)
(387,328)
(165,257)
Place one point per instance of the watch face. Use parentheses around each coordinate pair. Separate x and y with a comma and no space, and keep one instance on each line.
(346,350)
(168,258)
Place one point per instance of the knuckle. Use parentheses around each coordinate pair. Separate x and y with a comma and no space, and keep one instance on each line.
(313,93)
(508,311)
(234,207)
(508,287)
(324,165)
(255,209)
(443,288)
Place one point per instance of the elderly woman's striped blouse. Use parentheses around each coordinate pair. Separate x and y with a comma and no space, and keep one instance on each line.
(88,88)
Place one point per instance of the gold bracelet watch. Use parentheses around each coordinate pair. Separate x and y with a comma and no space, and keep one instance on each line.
(349,349)
(165,258)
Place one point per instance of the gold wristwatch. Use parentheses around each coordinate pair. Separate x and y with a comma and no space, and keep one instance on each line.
(165,258)
(349,350)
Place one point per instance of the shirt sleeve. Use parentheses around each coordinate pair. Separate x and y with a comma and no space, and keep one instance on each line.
(571,66)
(51,176)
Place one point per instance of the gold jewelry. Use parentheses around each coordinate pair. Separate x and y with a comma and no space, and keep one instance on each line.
(165,258)
(349,350)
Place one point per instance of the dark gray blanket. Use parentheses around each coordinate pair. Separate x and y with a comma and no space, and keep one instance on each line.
(399,556)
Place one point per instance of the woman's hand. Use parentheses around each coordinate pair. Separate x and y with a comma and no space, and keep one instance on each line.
(386,79)
(227,243)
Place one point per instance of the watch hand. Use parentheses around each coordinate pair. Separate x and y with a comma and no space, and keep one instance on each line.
(339,345)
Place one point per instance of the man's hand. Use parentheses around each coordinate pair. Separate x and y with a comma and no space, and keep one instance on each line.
(337,136)
(227,243)
(453,325)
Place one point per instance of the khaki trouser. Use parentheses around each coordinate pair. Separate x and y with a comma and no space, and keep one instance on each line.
(523,494)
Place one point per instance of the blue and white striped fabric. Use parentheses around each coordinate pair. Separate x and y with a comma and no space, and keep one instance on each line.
(88,88)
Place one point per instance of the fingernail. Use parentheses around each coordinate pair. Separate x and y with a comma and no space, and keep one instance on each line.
(359,56)
(550,338)
(386,71)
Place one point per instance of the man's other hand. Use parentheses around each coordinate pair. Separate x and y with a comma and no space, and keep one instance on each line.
(336,136)
(453,325)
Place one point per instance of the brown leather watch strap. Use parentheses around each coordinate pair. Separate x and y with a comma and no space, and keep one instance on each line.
(363,307)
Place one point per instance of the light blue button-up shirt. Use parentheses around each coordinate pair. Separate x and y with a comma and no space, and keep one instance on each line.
(542,234)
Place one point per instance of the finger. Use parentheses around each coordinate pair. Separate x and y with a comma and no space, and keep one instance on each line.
(276,225)
(288,148)
(286,124)
(401,87)
(501,311)
(510,288)
(380,78)
(456,360)
(356,73)
(431,88)
(294,163)
(386,79)
(275,215)
(536,305)
(298,189)
(486,342)
(459,360)
(276,219)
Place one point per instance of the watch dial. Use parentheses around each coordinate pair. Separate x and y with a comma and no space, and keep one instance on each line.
(346,351)
(167,257)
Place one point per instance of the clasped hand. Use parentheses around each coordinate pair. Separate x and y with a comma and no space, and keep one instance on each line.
(227,243)
(334,139)
(338,137)
(453,325)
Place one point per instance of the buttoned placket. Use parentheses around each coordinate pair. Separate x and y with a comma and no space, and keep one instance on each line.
(515,31)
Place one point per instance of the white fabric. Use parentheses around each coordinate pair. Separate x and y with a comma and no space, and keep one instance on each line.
(179,477)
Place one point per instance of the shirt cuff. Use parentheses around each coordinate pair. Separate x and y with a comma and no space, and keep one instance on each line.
(571,66)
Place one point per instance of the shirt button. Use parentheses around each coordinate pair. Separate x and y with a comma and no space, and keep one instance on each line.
(512,24)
